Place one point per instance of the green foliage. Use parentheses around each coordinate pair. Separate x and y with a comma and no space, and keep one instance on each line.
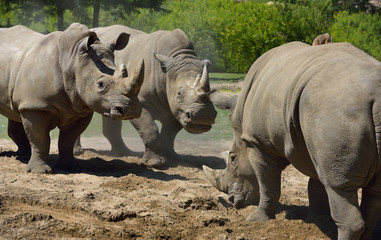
(360,29)
(230,34)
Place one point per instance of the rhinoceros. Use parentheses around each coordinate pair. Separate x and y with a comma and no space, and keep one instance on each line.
(59,80)
(319,109)
(175,91)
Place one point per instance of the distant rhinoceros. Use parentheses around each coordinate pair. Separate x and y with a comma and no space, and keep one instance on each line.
(175,91)
(318,108)
(59,80)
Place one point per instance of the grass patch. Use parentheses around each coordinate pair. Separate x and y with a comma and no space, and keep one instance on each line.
(226,77)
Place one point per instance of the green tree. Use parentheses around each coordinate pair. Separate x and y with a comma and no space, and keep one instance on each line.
(360,29)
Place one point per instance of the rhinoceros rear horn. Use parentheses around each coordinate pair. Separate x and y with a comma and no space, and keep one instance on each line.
(135,81)
(121,72)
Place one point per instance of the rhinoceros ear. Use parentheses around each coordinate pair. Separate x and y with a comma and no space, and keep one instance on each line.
(85,45)
(166,63)
(120,42)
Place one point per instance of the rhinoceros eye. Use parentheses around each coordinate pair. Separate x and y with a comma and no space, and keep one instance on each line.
(180,94)
(101,85)
(233,158)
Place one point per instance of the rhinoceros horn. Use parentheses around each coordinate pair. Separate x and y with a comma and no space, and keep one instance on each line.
(134,82)
(121,72)
(202,83)
(214,177)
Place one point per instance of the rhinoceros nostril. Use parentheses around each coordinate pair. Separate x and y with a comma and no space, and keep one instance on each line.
(120,110)
(116,111)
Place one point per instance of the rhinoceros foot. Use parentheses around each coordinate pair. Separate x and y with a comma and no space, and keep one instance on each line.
(120,151)
(38,167)
(78,150)
(259,216)
(68,165)
(153,160)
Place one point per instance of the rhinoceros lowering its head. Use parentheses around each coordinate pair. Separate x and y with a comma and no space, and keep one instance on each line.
(59,80)
(318,108)
(174,92)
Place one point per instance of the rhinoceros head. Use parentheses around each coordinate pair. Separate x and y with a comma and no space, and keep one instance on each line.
(237,179)
(98,83)
(187,87)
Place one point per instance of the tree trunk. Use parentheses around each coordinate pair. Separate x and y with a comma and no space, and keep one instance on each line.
(60,18)
(97,8)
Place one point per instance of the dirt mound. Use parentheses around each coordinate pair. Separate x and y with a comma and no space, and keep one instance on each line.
(119,198)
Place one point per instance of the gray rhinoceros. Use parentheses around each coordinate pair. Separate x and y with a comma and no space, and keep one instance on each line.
(175,91)
(318,108)
(59,80)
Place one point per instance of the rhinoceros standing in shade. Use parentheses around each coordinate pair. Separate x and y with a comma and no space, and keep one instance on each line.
(175,91)
(318,108)
(59,80)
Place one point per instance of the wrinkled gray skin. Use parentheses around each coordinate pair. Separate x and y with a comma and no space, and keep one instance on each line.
(59,80)
(175,92)
(318,108)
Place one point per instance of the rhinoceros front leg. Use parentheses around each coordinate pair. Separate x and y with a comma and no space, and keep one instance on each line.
(112,130)
(154,153)
(268,172)
(66,140)
(17,133)
(168,133)
(37,128)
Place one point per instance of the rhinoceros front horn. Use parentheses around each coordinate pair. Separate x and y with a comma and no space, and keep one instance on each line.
(214,177)
(204,81)
(135,81)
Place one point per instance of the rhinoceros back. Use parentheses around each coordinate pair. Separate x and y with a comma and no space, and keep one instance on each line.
(267,111)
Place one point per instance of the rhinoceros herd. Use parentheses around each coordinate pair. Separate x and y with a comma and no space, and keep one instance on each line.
(315,107)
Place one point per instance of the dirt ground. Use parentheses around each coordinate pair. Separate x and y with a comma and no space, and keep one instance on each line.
(119,198)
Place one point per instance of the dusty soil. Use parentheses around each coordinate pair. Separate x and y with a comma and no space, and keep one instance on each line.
(119,198)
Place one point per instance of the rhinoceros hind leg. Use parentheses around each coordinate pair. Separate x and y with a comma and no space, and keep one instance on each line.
(17,134)
(78,150)
(370,208)
(346,213)
(318,201)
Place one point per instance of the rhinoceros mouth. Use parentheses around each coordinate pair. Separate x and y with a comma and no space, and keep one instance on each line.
(116,113)
(197,128)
